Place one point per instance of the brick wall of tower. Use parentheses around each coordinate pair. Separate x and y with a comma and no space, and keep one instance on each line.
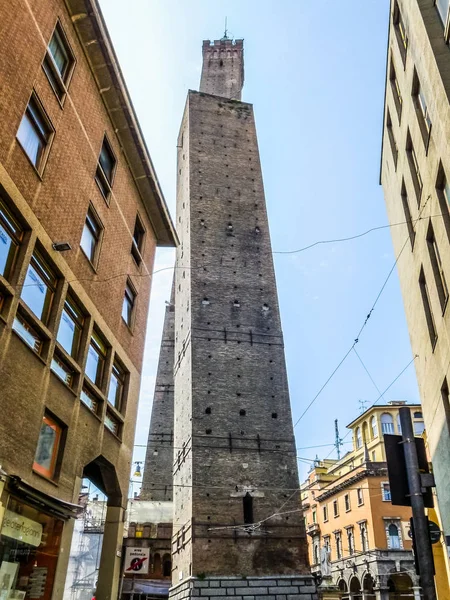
(223,68)
(157,479)
(234,418)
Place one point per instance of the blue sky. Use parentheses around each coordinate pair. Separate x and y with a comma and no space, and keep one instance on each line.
(315,74)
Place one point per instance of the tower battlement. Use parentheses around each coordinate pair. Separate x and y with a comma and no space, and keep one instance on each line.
(223,68)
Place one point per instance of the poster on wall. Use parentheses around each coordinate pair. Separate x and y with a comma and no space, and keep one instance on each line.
(136,561)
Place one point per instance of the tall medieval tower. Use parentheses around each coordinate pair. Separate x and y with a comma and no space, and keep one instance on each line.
(238,528)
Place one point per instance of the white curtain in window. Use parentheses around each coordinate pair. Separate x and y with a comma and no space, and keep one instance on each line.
(29,139)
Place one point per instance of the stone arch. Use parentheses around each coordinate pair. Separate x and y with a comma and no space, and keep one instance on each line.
(400,584)
(342,585)
(157,565)
(103,474)
(368,583)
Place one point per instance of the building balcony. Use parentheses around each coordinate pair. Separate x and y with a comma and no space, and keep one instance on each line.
(313,529)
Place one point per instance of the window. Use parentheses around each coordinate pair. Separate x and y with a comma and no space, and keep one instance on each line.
(400,30)
(35,133)
(62,370)
(396,90)
(112,423)
(70,328)
(314,516)
(338,539)
(347,502)
(90,238)
(351,541)
(128,304)
(47,451)
(443,194)
(247,502)
(427,308)
(138,240)
(414,168)
(358,437)
(374,426)
(399,425)
(363,533)
(445,395)
(10,238)
(316,553)
(89,399)
(39,287)
(335,508)
(392,142)
(442,8)
(325,513)
(96,359)
(408,219)
(438,269)
(421,110)
(27,333)
(116,386)
(386,492)
(393,537)
(360,496)
(387,423)
(419,427)
(105,169)
(418,415)
(58,62)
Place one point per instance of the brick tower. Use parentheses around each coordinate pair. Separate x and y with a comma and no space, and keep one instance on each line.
(235,463)
(157,479)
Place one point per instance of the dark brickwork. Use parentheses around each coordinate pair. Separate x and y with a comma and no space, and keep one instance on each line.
(157,479)
(233,423)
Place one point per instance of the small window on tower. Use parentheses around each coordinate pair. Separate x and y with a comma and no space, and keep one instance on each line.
(248,508)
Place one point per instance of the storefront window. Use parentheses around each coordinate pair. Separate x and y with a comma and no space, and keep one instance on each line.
(29,549)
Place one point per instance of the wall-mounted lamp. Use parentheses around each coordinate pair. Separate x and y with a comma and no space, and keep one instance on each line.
(61,246)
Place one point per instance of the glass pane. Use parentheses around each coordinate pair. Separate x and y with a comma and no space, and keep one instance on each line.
(89,400)
(47,446)
(59,54)
(30,139)
(107,162)
(27,334)
(419,428)
(6,248)
(35,291)
(114,390)
(127,309)
(67,332)
(446,190)
(62,371)
(111,424)
(442,6)
(88,242)
(93,364)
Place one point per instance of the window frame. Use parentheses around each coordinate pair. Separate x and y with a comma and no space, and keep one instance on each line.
(426,301)
(347,503)
(336,508)
(122,378)
(15,232)
(325,513)
(78,317)
(53,472)
(113,418)
(93,397)
(97,337)
(137,247)
(414,168)
(40,264)
(408,217)
(92,216)
(25,324)
(35,103)
(392,141)
(101,178)
(422,110)
(445,24)
(396,91)
(360,496)
(400,32)
(129,287)
(59,82)
(386,495)
(437,268)
(65,367)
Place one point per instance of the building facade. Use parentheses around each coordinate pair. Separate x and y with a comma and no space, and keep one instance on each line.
(415,174)
(237,525)
(81,213)
(348,511)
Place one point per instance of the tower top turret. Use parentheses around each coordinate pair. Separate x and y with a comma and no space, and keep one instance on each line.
(223,68)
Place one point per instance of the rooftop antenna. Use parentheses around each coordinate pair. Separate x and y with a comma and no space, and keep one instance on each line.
(338,440)
(363,405)
(225,35)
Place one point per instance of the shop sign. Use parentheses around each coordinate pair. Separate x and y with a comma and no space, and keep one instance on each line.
(136,561)
(20,528)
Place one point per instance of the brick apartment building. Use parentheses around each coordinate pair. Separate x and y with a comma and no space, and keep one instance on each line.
(415,174)
(81,213)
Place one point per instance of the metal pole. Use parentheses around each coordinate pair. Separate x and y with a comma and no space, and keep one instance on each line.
(423,546)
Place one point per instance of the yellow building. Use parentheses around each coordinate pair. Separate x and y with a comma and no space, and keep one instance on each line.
(347,508)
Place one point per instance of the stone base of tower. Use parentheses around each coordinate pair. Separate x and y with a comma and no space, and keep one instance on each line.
(283,587)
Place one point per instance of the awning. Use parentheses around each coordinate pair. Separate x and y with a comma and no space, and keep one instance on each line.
(45,502)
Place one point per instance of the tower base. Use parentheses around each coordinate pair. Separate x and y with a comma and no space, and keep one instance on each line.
(282,587)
